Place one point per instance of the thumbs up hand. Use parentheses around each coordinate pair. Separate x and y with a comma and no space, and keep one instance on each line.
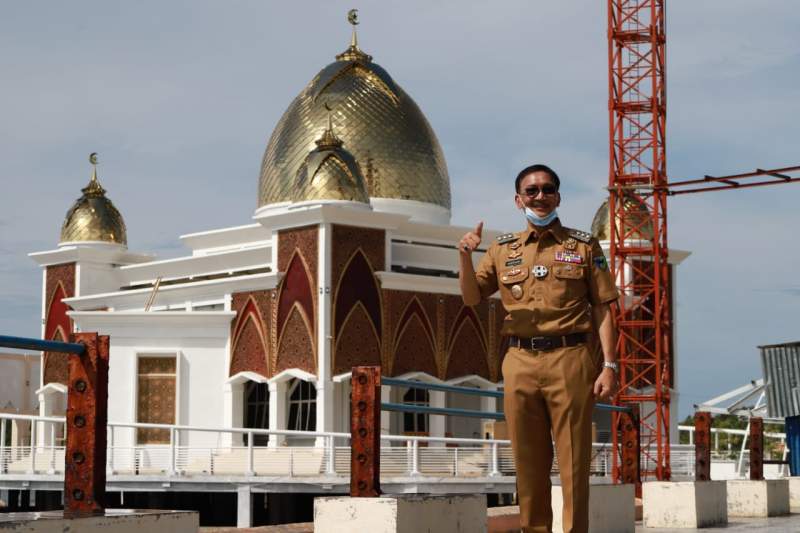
(471,240)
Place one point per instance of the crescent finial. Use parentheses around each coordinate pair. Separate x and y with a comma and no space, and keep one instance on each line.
(93,158)
(352,17)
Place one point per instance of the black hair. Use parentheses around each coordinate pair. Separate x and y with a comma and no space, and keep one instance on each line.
(537,168)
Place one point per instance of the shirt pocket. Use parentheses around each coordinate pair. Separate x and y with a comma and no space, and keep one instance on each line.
(569,283)
(511,278)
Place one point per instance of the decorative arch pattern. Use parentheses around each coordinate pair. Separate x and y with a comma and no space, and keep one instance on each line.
(58,326)
(467,351)
(295,345)
(357,315)
(249,350)
(414,346)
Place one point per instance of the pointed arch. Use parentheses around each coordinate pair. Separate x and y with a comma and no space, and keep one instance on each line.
(467,313)
(249,344)
(414,307)
(296,289)
(357,284)
(358,342)
(467,354)
(295,342)
(414,348)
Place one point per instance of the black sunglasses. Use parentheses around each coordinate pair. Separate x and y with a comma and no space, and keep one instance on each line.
(547,190)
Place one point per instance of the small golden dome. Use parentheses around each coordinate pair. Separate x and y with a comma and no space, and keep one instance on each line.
(379,123)
(93,218)
(329,172)
(638,213)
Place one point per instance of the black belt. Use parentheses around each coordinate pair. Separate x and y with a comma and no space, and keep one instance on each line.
(541,344)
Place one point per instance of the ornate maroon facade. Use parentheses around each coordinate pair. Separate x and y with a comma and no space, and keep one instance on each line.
(59,284)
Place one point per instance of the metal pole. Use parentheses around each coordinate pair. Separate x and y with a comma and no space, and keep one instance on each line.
(365,438)
(415,457)
(495,460)
(172,437)
(2,446)
(331,450)
(702,450)
(756,449)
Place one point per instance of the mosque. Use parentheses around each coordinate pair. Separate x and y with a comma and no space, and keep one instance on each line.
(350,259)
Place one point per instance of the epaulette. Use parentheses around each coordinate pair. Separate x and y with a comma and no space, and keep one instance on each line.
(580,235)
(506,237)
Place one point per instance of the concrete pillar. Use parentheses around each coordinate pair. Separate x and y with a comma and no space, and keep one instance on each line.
(232,412)
(277,411)
(244,506)
(324,409)
(437,422)
(386,416)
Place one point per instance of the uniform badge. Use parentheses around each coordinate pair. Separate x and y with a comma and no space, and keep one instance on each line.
(570,244)
(539,271)
(601,263)
(580,235)
(515,254)
(516,291)
(568,256)
(514,262)
(515,245)
(506,237)
(514,272)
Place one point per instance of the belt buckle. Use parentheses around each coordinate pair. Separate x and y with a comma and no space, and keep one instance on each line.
(541,343)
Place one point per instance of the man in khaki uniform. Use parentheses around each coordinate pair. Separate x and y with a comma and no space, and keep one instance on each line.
(556,288)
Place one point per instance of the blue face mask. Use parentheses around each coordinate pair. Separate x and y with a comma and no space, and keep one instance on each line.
(540,221)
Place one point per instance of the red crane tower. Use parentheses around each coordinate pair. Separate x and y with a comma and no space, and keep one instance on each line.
(638,191)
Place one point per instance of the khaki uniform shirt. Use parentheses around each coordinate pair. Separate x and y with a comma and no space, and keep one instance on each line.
(572,275)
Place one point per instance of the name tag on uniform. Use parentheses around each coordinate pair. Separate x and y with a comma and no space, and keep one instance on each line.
(514,262)
(567,256)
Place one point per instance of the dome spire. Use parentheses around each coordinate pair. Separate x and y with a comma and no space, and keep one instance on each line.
(93,188)
(353,52)
(329,140)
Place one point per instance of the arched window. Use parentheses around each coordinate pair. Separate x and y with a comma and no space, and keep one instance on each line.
(302,406)
(415,422)
(256,410)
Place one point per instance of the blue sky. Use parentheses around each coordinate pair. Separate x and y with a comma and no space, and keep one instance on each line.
(179,99)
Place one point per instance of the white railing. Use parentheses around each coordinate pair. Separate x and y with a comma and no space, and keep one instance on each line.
(222,452)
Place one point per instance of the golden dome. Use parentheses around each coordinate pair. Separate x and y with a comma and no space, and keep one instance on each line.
(379,123)
(638,213)
(329,172)
(93,218)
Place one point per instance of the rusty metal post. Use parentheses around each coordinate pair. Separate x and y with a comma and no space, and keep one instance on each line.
(630,469)
(365,432)
(756,449)
(87,416)
(702,446)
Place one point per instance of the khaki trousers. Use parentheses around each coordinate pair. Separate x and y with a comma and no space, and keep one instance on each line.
(550,393)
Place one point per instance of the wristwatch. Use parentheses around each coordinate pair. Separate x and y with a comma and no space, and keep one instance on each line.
(612,365)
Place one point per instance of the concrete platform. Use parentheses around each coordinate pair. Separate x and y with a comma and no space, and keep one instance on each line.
(401,514)
(684,504)
(113,521)
(747,498)
(612,509)
(775,524)
(794,494)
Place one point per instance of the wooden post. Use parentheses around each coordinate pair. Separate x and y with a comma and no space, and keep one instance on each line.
(365,432)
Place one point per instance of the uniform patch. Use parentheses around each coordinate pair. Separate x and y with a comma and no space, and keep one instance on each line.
(601,263)
(515,254)
(515,245)
(580,235)
(506,237)
(539,271)
(567,256)
(570,244)
(514,262)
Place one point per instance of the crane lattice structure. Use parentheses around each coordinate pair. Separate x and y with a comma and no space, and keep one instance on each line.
(638,191)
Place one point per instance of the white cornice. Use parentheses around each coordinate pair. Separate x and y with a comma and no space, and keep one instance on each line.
(100,320)
(225,237)
(415,282)
(73,254)
(175,294)
(304,215)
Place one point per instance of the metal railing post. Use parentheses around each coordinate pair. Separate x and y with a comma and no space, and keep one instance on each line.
(455,462)
(52,469)
(331,470)
(33,448)
(291,462)
(495,466)
(3,446)
(415,457)
(250,463)
(172,451)
(111,449)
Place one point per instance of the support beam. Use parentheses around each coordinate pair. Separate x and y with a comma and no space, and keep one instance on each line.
(756,449)
(702,446)
(244,506)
